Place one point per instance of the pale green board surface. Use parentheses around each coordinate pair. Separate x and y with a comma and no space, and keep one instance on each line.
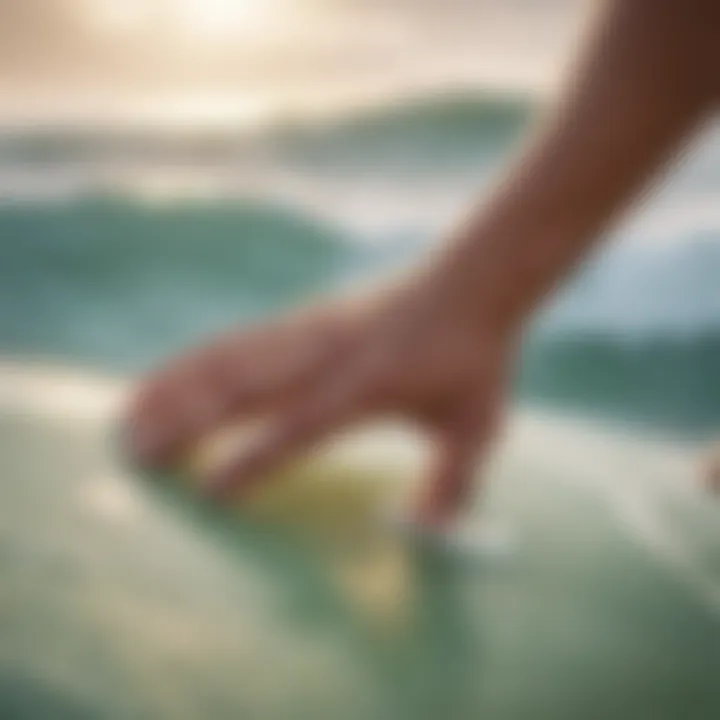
(115,605)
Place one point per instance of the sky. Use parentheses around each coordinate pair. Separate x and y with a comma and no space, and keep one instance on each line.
(205,60)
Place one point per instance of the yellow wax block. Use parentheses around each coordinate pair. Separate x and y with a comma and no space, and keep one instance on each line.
(345,487)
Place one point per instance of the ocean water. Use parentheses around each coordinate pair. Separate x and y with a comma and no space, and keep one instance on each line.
(122,245)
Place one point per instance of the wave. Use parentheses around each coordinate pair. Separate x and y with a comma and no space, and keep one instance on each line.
(665,382)
(443,127)
(123,282)
(119,246)
(645,286)
(413,164)
(423,134)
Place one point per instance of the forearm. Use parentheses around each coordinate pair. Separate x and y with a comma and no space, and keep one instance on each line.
(649,76)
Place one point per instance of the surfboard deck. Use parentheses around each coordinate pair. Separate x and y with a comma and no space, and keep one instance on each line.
(114,604)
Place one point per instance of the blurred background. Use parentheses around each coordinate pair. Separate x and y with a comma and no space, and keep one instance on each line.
(171,167)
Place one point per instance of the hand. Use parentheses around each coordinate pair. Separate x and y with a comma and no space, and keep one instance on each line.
(408,353)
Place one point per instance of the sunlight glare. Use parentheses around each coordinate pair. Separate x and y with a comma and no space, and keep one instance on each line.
(213,20)
(117,16)
(216,19)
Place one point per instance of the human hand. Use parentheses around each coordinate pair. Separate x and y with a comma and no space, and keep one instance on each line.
(410,352)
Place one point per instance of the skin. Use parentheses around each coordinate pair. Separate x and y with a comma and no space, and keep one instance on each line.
(437,348)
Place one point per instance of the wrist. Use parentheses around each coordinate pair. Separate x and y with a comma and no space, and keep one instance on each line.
(479,291)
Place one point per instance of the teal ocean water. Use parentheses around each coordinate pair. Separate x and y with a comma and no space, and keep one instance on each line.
(120,246)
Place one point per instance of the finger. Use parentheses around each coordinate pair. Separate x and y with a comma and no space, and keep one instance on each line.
(462,444)
(240,374)
(299,431)
(448,486)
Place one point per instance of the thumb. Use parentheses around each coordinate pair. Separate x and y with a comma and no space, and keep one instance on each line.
(297,430)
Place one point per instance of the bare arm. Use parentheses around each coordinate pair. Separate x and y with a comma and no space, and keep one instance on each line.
(648,76)
(437,350)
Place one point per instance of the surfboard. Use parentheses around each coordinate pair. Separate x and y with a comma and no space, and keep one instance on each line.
(116,602)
